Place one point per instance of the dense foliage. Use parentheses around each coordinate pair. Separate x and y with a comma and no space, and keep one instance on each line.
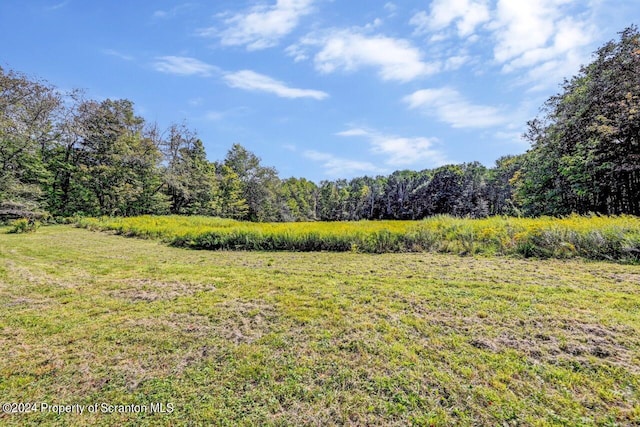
(68,156)
(610,238)
(586,147)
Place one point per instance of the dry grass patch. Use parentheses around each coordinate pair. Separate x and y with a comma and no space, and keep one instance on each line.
(570,340)
(148,290)
(245,321)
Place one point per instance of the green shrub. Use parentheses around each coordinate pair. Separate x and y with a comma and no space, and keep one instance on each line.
(24,225)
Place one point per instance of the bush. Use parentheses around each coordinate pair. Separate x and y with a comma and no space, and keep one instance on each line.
(24,225)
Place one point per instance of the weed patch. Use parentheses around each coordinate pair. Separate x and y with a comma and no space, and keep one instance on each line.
(590,237)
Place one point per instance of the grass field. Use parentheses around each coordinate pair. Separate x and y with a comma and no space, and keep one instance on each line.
(591,237)
(313,338)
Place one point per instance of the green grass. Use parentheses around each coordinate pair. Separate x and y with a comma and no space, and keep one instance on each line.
(590,237)
(301,338)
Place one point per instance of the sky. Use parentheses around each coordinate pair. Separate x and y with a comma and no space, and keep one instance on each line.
(321,89)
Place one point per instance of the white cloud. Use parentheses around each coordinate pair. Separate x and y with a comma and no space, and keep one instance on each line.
(117,54)
(522,26)
(243,79)
(262,26)
(353,132)
(340,167)
(449,106)
(250,80)
(390,7)
(184,66)
(540,40)
(297,53)
(58,5)
(350,50)
(467,14)
(400,151)
(170,13)
(455,62)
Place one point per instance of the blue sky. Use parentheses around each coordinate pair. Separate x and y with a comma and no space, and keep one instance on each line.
(321,89)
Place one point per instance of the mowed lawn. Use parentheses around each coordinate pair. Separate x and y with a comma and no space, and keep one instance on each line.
(314,338)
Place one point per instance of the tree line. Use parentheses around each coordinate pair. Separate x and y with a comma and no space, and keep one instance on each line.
(64,155)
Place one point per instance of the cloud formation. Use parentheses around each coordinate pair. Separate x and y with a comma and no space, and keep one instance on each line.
(352,49)
(252,81)
(399,151)
(466,14)
(117,54)
(538,42)
(261,26)
(173,12)
(449,106)
(243,79)
(543,40)
(185,66)
(339,167)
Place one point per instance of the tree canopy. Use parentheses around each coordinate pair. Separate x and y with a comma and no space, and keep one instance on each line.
(65,155)
(585,154)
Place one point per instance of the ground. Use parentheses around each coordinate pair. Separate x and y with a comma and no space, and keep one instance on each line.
(289,338)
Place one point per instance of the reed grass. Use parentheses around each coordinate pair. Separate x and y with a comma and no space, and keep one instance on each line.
(615,238)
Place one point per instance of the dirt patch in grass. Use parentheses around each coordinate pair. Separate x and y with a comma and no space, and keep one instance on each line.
(542,339)
(551,341)
(150,347)
(625,277)
(26,302)
(146,290)
(245,321)
(190,324)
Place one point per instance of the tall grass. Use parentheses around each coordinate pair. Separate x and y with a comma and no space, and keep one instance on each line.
(593,237)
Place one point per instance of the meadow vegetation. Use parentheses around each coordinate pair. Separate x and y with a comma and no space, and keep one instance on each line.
(592,237)
(313,338)
(361,320)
